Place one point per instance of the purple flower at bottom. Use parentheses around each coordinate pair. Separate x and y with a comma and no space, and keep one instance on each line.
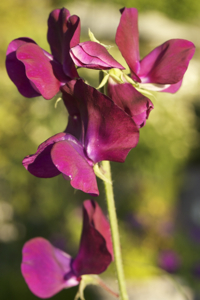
(97,130)
(169,261)
(47,270)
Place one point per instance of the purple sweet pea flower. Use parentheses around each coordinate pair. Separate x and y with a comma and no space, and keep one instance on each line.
(161,70)
(92,55)
(97,130)
(47,270)
(34,71)
(165,65)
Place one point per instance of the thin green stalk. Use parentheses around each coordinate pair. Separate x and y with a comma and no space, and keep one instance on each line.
(114,231)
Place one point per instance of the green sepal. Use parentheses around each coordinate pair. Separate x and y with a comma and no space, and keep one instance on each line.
(100,173)
(103,82)
(93,39)
(131,81)
(117,75)
(57,100)
(146,93)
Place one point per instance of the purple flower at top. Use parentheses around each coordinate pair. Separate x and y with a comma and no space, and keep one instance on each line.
(36,72)
(97,130)
(169,261)
(161,70)
(47,270)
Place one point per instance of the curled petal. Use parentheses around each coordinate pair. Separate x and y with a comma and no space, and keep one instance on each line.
(92,55)
(131,101)
(16,69)
(69,158)
(127,39)
(46,269)
(63,34)
(38,70)
(57,26)
(167,63)
(100,222)
(40,164)
(108,132)
(95,252)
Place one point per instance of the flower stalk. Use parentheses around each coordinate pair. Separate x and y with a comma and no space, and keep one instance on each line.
(114,231)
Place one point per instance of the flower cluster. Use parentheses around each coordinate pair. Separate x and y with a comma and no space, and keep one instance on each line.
(100,127)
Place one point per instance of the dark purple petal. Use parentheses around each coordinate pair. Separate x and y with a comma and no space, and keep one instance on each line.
(131,101)
(38,70)
(75,124)
(108,133)
(167,63)
(93,56)
(40,164)
(100,222)
(16,69)
(46,269)
(94,254)
(57,26)
(63,34)
(69,158)
(127,39)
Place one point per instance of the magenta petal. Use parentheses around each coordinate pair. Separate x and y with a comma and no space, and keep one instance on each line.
(40,164)
(93,256)
(69,158)
(46,268)
(109,133)
(167,63)
(63,34)
(38,70)
(131,101)
(16,69)
(127,39)
(93,56)
(173,88)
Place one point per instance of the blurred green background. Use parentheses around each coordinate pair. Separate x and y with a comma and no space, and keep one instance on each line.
(157,188)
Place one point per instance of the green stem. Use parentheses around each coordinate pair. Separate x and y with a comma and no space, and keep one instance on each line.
(114,231)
